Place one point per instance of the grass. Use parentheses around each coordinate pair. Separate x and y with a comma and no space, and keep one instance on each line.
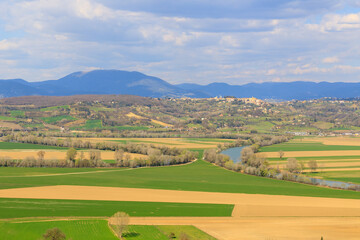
(129,127)
(19,208)
(191,231)
(298,146)
(6,118)
(198,176)
(17,113)
(56,119)
(15,171)
(14,145)
(144,232)
(91,124)
(54,108)
(76,230)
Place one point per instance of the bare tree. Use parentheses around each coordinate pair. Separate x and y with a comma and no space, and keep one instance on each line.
(292,165)
(119,155)
(313,165)
(119,222)
(281,154)
(41,155)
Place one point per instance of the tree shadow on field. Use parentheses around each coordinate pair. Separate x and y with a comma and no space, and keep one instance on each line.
(131,234)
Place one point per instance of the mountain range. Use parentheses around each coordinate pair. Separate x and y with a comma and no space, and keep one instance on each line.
(136,83)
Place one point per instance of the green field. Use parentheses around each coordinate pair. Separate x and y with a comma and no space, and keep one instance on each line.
(94,230)
(90,124)
(17,113)
(16,171)
(191,231)
(343,176)
(14,145)
(306,146)
(19,208)
(76,230)
(198,176)
(6,118)
(55,119)
(145,232)
(54,108)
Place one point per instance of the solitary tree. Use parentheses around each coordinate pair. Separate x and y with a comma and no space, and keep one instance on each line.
(119,222)
(292,165)
(71,154)
(313,165)
(54,234)
(281,154)
(41,155)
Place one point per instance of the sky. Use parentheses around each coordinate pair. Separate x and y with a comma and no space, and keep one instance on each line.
(185,41)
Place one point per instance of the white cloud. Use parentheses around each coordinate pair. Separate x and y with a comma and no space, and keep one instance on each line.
(279,40)
(7,45)
(330,60)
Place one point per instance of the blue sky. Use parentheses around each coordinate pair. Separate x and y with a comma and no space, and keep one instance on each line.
(183,41)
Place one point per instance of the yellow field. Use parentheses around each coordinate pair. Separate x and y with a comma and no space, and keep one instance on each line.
(58,154)
(333,163)
(133,115)
(10,125)
(350,141)
(255,216)
(169,142)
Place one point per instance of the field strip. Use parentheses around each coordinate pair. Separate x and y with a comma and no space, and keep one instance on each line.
(60,154)
(72,173)
(333,169)
(318,161)
(245,204)
(266,227)
(331,164)
(312,153)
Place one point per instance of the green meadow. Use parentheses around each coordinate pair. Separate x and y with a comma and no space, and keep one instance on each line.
(20,208)
(306,146)
(76,230)
(14,145)
(198,176)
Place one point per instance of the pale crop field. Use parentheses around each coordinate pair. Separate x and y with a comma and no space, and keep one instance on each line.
(332,154)
(60,154)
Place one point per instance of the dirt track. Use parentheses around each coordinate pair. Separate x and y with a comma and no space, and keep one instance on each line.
(245,204)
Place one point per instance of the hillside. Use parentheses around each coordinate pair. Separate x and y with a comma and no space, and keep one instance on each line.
(221,116)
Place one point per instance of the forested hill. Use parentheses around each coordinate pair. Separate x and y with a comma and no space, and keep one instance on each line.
(136,83)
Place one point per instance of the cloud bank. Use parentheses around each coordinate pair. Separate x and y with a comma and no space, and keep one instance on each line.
(183,41)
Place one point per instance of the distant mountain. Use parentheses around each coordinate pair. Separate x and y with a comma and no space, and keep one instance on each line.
(279,90)
(96,82)
(136,83)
